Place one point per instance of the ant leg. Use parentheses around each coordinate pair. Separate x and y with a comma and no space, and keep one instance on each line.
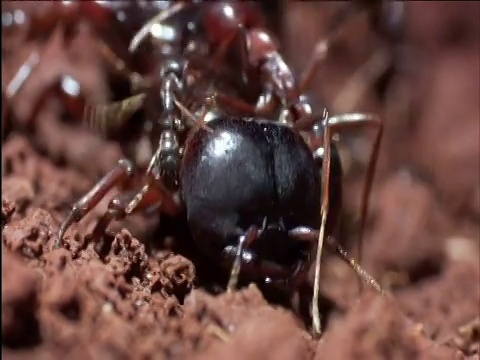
(116,210)
(123,205)
(243,241)
(157,19)
(162,174)
(311,235)
(118,175)
(352,120)
(361,272)
(343,122)
(325,203)
(258,49)
(22,74)
(166,161)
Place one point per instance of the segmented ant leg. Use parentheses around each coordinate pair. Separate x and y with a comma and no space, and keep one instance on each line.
(345,121)
(243,241)
(162,172)
(361,272)
(254,45)
(167,160)
(117,176)
(158,19)
(123,205)
(311,235)
(22,74)
(111,116)
(116,210)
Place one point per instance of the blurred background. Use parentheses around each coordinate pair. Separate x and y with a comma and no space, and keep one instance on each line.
(423,224)
(423,230)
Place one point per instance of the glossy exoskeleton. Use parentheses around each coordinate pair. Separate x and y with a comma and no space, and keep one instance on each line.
(250,186)
(257,179)
(196,35)
(251,191)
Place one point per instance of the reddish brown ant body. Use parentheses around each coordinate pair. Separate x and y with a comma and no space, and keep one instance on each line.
(231,36)
(113,22)
(245,167)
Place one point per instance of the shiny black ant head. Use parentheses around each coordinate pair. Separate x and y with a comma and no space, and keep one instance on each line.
(253,174)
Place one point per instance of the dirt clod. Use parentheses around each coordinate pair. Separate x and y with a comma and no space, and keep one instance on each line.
(376,329)
(146,294)
(19,302)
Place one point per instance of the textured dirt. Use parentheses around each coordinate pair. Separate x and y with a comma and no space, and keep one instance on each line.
(150,296)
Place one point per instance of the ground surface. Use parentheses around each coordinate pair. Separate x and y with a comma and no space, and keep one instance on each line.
(142,301)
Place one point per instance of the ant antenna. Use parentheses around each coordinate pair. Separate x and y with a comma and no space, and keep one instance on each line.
(374,68)
(336,124)
(322,46)
(200,123)
(324,213)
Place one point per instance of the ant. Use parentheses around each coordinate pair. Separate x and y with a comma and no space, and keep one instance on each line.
(114,22)
(251,187)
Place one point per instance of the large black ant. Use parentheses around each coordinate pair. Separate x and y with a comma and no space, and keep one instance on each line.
(248,184)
